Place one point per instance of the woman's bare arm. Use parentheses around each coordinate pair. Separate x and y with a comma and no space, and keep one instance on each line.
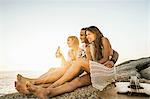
(106,50)
(113,60)
(88,53)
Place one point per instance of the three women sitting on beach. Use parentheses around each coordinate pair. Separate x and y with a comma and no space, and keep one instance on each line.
(96,58)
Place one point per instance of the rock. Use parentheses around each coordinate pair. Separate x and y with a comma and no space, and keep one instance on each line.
(145,73)
(133,68)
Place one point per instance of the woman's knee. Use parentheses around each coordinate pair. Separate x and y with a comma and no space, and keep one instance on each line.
(76,82)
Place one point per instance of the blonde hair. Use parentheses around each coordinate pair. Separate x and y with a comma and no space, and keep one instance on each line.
(76,41)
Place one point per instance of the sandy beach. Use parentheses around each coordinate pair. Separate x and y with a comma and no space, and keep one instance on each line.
(82,93)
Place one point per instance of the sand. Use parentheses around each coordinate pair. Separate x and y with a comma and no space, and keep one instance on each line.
(83,93)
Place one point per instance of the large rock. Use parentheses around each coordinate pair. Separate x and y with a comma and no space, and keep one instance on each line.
(139,68)
(145,73)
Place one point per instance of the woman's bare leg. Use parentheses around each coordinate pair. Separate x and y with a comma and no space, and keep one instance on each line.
(20,85)
(40,92)
(47,73)
(67,87)
(71,86)
(22,88)
(51,77)
(48,77)
(20,77)
(72,71)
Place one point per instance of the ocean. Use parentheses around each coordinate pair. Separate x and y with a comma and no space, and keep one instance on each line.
(7,79)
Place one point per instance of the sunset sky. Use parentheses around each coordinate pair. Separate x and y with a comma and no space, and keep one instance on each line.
(31,30)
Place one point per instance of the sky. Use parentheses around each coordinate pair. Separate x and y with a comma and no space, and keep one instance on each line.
(31,30)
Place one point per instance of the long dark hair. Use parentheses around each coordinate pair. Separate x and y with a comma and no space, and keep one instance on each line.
(85,40)
(97,41)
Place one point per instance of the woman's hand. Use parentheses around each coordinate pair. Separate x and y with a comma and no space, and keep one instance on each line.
(58,53)
(109,64)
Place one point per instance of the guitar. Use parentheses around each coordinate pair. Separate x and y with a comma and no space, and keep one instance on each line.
(133,87)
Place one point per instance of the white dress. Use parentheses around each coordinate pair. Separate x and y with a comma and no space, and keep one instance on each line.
(101,76)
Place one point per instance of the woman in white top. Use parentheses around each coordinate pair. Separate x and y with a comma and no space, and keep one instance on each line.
(54,73)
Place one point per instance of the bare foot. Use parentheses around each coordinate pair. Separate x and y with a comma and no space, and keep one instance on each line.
(45,85)
(40,92)
(23,79)
(20,78)
(21,88)
(37,82)
(20,84)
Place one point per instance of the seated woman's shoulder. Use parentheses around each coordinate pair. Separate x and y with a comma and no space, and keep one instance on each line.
(104,38)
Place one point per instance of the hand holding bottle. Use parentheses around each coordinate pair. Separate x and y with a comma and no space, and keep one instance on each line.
(58,53)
